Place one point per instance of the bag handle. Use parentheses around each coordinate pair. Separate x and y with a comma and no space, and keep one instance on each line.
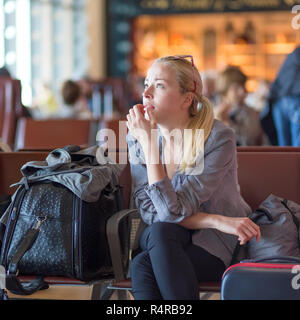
(282,259)
(13,284)
(259,213)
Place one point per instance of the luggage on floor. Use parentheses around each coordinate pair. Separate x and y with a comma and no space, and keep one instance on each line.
(56,222)
(276,278)
(5,201)
(279,221)
(272,271)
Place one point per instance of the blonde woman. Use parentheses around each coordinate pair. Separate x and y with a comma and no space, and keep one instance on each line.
(194,217)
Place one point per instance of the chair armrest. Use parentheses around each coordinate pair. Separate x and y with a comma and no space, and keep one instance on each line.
(114,243)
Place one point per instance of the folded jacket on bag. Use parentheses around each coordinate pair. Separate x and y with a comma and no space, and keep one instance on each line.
(85,172)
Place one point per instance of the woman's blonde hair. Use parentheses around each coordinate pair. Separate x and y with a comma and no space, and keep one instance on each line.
(202,117)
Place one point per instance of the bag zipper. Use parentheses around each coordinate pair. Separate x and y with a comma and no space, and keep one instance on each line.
(74,236)
(77,267)
(11,224)
(254,265)
(79,227)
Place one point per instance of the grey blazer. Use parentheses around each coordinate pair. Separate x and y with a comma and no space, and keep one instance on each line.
(215,190)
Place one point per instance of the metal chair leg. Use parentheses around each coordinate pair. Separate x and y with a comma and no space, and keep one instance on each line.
(100,291)
(206,296)
(123,295)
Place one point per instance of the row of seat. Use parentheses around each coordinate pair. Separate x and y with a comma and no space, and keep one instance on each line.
(37,134)
(11,108)
(40,135)
(260,172)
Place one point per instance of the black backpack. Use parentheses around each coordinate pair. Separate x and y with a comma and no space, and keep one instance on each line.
(50,231)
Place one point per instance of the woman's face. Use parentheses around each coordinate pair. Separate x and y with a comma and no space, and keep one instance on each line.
(162,91)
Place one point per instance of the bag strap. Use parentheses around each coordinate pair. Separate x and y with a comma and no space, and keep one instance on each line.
(284,202)
(235,253)
(3,295)
(13,284)
(2,232)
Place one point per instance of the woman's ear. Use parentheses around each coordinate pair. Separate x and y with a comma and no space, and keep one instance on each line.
(188,99)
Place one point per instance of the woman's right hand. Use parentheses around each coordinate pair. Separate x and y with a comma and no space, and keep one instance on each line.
(244,228)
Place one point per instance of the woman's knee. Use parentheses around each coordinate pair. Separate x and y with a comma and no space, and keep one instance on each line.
(144,285)
(162,232)
(139,263)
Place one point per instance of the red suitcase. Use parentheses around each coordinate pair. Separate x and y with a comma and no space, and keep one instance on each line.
(275,278)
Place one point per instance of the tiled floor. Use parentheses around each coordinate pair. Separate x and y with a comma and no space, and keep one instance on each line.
(61,293)
(77,293)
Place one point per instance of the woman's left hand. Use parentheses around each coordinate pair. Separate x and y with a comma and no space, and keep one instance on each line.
(138,125)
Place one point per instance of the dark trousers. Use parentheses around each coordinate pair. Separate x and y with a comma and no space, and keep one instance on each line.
(170,265)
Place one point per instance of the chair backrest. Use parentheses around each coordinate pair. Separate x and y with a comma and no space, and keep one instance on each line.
(119,128)
(268,149)
(263,173)
(10,165)
(259,174)
(4,146)
(120,92)
(11,108)
(52,133)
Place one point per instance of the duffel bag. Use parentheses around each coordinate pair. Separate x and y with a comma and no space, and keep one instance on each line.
(51,231)
(274,278)
(279,221)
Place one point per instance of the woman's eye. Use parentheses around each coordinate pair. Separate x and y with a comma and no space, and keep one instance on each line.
(158,85)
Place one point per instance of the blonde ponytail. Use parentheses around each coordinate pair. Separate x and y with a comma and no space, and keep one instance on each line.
(201,119)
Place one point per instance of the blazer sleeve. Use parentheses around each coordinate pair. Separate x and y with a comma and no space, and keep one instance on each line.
(139,179)
(161,202)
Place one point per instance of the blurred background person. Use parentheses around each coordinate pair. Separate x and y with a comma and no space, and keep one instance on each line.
(258,98)
(233,111)
(44,105)
(209,86)
(284,102)
(75,103)
(86,93)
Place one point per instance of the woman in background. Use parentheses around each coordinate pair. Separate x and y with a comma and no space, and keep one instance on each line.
(233,110)
(284,101)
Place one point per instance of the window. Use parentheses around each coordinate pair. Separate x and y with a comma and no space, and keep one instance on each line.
(43,42)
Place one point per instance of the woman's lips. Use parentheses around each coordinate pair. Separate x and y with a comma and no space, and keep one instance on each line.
(148,105)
